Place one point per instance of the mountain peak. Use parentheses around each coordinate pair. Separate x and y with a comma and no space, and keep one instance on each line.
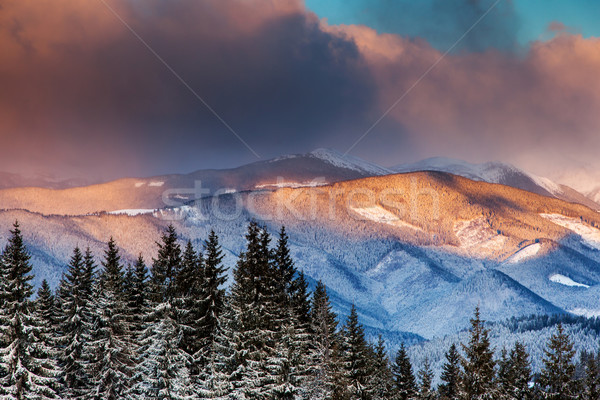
(338,159)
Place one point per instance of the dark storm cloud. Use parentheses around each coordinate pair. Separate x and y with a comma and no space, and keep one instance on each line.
(79,88)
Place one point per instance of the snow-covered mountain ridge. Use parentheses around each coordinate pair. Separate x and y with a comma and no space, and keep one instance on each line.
(415,251)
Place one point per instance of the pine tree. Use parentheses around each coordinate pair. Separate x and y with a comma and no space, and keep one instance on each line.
(504,375)
(592,379)
(215,382)
(406,386)
(189,302)
(291,312)
(209,312)
(355,356)
(382,381)
(28,371)
(137,294)
(75,325)
(518,374)
(324,363)
(425,381)
(166,267)
(557,379)
(162,370)
(253,302)
(45,307)
(478,364)
(113,359)
(451,375)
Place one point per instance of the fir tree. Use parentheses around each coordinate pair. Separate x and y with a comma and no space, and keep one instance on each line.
(382,381)
(166,267)
(355,356)
(519,374)
(28,371)
(478,364)
(253,302)
(406,386)
(324,356)
(451,375)
(425,380)
(189,302)
(45,307)
(210,308)
(113,360)
(162,370)
(137,294)
(557,379)
(75,325)
(592,379)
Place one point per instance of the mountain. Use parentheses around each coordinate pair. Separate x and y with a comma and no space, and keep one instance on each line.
(413,251)
(502,173)
(10,180)
(138,195)
(594,195)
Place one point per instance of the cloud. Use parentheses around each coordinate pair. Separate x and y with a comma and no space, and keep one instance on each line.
(440,22)
(81,94)
(537,108)
(79,88)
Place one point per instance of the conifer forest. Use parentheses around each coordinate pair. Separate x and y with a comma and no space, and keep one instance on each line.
(172,331)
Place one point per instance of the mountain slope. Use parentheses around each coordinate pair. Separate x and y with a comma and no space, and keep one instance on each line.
(411,250)
(317,168)
(502,173)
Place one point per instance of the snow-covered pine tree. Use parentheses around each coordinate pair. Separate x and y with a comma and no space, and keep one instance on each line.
(189,302)
(215,379)
(592,379)
(45,307)
(162,370)
(212,291)
(28,370)
(518,374)
(137,295)
(406,386)
(162,366)
(211,340)
(112,363)
(253,302)
(449,389)
(557,379)
(324,363)
(166,267)
(75,319)
(355,356)
(503,377)
(478,364)
(382,381)
(425,380)
(291,310)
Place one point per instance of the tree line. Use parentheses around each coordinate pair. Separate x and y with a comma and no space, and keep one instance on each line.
(116,331)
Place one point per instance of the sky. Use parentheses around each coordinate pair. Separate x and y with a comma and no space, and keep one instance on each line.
(112,88)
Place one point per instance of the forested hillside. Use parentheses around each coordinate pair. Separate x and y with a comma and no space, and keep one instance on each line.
(116,331)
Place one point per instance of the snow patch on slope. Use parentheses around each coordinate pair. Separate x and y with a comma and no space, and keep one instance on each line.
(584,312)
(525,253)
(565,280)
(475,235)
(383,216)
(590,235)
(156,183)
